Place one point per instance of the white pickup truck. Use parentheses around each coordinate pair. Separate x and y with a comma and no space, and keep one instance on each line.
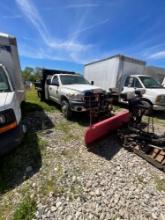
(71,91)
(154,93)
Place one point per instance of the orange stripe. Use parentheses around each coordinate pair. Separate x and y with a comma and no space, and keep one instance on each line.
(8,127)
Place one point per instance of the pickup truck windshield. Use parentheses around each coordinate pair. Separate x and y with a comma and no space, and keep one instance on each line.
(150,83)
(4,84)
(68,80)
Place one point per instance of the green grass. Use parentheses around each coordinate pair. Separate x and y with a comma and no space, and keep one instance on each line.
(160,184)
(66,128)
(25,210)
(51,184)
(33,103)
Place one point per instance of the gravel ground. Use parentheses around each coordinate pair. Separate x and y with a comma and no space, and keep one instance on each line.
(105,182)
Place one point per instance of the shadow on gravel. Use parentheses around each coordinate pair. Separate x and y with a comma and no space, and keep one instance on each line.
(26,160)
(159,114)
(82,118)
(107,148)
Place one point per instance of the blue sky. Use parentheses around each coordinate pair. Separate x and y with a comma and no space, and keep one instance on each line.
(67,34)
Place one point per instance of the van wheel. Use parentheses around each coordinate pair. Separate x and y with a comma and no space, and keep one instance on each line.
(66,111)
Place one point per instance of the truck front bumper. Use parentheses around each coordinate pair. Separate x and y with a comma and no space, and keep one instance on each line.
(159,107)
(11,139)
(78,106)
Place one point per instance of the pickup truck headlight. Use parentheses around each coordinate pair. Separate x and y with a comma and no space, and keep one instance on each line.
(7,120)
(160,99)
(77,97)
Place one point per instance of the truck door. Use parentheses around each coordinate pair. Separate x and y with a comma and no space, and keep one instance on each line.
(131,84)
(53,89)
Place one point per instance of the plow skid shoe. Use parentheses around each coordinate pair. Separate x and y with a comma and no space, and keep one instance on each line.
(101,129)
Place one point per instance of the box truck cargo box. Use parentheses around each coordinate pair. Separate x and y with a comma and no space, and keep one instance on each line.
(11,94)
(111,73)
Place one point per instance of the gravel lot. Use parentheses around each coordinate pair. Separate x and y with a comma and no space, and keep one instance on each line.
(68,181)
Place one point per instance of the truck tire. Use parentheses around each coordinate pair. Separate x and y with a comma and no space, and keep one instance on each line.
(146,103)
(67,113)
(41,96)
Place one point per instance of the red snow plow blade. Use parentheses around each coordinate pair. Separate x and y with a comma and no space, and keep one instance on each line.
(102,128)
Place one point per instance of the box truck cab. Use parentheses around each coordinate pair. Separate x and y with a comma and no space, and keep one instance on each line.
(154,94)
(11,94)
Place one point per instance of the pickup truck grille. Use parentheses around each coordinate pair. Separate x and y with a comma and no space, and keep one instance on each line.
(93,100)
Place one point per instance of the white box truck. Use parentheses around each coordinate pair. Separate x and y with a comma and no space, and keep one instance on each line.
(11,94)
(122,74)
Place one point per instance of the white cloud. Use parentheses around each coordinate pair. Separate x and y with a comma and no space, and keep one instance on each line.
(70,49)
(157,55)
(67,46)
(89,27)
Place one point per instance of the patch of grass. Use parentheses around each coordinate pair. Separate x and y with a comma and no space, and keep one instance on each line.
(117,108)
(4,212)
(159,121)
(25,210)
(51,185)
(75,191)
(160,183)
(140,178)
(63,126)
(33,103)
(66,127)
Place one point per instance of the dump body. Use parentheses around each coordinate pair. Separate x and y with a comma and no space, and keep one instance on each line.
(112,72)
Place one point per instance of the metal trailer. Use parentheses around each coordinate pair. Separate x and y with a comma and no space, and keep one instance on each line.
(111,73)
(10,60)
(155,72)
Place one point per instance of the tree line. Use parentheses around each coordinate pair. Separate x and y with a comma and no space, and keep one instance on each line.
(31,74)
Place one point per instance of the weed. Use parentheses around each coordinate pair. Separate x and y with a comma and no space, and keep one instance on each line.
(25,210)
(51,185)
(160,183)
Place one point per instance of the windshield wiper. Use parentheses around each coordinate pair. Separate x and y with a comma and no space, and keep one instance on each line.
(3,90)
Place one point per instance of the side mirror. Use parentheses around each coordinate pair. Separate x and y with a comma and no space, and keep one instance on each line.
(55,84)
(92,82)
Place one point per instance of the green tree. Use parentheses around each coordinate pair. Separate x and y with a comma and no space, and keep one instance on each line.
(27,72)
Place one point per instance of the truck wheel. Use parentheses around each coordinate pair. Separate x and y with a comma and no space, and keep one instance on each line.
(41,96)
(148,106)
(67,113)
